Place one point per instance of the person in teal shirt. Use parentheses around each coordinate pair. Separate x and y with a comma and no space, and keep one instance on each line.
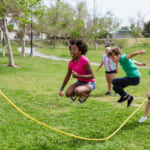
(131,70)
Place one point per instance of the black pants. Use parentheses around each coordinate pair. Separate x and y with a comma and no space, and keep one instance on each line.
(120,83)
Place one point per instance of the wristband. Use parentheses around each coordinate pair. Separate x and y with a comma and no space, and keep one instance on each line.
(61,89)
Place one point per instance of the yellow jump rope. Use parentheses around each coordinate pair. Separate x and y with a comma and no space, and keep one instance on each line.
(68,134)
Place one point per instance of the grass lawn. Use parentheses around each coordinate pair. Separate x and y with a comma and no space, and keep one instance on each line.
(34,88)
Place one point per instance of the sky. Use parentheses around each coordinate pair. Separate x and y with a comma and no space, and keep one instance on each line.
(122,9)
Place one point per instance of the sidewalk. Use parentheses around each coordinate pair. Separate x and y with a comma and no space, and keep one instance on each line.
(28,50)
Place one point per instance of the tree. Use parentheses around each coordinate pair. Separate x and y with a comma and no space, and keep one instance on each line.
(95,28)
(29,11)
(12,9)
(103,25)
(100,24)
(49,22)
(108,23)
(58,21)
(146,31)
(66,21)
(7,7)
(78,29)
(136,25)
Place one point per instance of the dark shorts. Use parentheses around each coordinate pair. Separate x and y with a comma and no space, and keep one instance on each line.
(109,72)
(91,84)
(149,98)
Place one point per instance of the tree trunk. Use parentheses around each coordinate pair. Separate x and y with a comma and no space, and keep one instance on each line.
(67,41)
(95,43)
(54,41)
(10,53)
(136,41)
(23,42)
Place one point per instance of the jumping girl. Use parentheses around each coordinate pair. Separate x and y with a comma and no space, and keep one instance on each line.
(80,68)
(131,70)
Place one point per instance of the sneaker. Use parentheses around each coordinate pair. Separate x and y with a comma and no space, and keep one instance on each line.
(142,119)
(115,94)
(82,99)
(72,99)
(130,99)
(122,99)
(107,93)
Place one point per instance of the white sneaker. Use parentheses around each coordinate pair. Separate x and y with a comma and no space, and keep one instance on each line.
(142,119)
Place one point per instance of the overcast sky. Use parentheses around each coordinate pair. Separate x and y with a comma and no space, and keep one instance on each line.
(122,9)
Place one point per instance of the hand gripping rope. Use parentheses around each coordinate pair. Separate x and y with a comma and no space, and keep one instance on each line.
(68,134)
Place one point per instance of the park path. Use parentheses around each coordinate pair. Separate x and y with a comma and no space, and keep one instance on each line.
(28,50)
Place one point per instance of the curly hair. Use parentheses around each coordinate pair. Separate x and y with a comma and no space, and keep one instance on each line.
(114,51)
(80,44)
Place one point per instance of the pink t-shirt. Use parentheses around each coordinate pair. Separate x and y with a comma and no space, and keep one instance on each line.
(79,67)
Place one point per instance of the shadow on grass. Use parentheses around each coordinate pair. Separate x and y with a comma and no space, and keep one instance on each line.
(78,143)
(98,95)
(103,95)
(37,147)
(129,126)
(133,125)
(75,142)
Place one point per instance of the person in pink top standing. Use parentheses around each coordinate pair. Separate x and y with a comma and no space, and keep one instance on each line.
(80,68)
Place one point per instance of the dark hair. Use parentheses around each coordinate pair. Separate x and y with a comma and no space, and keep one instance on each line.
(80,44)
(107,45)
(114,51)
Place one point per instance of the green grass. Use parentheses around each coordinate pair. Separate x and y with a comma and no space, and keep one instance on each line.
(34,88)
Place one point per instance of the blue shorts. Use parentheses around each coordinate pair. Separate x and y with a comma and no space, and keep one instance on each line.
(91,84)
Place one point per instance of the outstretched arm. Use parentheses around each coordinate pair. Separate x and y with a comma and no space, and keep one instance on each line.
(135,53)
(139,64)
(67,77)
(101,64)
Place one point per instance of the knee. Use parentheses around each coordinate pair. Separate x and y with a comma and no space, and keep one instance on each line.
(68,94)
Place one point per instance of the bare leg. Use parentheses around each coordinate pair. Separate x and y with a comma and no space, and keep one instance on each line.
(147,108)
(70,91)
(108,82)
(82,90)
(111,77)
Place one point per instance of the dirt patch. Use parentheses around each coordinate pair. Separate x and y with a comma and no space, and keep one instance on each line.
(7,65)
